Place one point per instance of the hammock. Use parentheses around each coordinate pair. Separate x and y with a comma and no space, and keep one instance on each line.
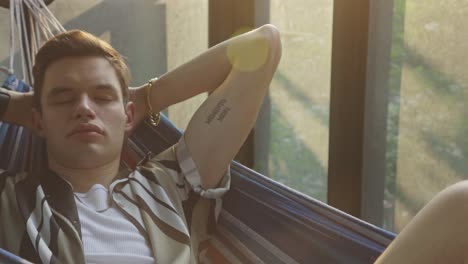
(262,221)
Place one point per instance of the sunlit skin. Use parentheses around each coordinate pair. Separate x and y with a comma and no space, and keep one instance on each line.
(83,92)
(437,234)
(248,57)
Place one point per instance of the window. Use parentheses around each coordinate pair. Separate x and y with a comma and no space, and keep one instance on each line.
(292,130)
(427,128)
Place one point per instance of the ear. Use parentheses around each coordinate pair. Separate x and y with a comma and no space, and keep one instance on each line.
(130,117)
(38,126)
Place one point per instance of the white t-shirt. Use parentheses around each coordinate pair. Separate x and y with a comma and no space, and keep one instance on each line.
(108,235)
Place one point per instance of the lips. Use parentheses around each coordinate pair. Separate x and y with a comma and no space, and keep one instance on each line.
(85,127)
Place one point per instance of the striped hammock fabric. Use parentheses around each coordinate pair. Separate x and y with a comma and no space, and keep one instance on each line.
(262,221)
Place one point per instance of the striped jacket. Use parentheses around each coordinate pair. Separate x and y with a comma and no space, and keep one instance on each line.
(162,197)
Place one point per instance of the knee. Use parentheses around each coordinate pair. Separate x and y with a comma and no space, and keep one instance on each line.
(452,203)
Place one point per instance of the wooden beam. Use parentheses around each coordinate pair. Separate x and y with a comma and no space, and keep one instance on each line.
(376,111)
(228,16)
(347,100)
(225,18)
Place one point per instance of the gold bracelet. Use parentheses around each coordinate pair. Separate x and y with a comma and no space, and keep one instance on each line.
(154,119)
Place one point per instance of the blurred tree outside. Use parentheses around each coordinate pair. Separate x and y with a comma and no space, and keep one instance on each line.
(427,144)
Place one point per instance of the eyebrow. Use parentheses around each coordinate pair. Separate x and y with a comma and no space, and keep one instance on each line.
(102,87)
(58,90)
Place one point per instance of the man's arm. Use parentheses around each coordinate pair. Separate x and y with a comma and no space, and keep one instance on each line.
(19,110)
(238,72)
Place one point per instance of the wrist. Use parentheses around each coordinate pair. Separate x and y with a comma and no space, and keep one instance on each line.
(19,109)
(154,115)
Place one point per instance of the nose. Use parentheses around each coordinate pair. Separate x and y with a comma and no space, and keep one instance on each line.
(84,108)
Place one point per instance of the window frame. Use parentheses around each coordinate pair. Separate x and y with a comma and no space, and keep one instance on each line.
(361,46)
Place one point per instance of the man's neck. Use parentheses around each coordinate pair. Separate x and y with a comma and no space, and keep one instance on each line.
(82,179)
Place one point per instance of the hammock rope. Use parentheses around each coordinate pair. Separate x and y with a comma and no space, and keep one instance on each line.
(31,24)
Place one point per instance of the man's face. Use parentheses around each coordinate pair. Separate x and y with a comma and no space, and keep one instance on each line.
(83,118)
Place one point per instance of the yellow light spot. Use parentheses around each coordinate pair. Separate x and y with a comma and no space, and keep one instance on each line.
(247,56)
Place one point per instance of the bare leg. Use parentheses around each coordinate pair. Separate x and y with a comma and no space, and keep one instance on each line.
(437,234)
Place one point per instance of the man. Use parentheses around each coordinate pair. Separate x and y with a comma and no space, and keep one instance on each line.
(82,208)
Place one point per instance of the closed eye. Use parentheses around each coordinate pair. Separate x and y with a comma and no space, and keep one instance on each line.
(105,93)
(62,100)
(61,95)
(104,98)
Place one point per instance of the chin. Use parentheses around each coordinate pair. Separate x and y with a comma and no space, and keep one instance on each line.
(84,156)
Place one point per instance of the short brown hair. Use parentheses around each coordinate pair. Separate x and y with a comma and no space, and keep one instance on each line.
(76,43)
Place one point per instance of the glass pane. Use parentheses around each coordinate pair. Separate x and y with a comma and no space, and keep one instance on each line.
(187,36)
(292,141)
(427,145)
(155,36)
(141,37)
